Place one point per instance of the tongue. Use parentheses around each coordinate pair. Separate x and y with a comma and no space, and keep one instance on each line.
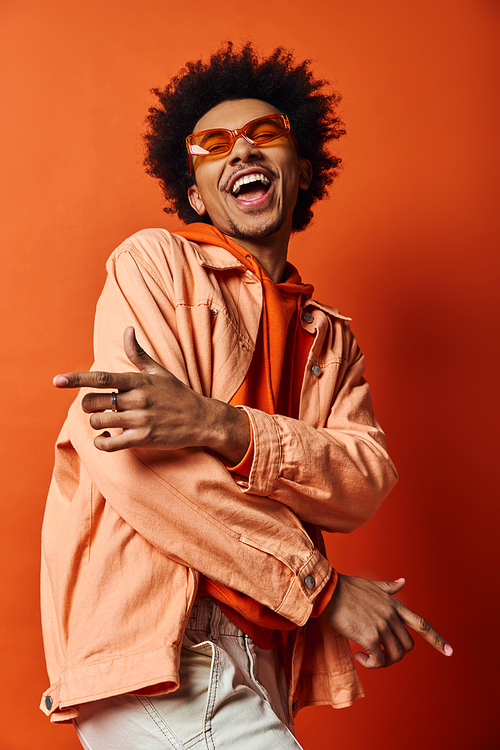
(251,192)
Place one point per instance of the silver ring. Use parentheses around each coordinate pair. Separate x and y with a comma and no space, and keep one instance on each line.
(113,402)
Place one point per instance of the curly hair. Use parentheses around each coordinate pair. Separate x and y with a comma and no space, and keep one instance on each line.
(231,74)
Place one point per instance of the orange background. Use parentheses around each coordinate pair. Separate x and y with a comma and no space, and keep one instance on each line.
(406,246)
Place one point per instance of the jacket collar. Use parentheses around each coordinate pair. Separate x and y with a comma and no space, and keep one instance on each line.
(215,257)
(326,309)
(219,259)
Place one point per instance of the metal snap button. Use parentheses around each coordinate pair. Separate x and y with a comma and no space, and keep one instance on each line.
(48,702)
(316,370)
(310,582)
(308,317)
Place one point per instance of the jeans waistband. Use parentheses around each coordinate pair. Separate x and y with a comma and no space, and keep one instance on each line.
(206,617)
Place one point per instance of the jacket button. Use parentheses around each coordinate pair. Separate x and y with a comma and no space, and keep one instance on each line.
(214,311)
(48,702)
(310,582)
(308,317)
(316,370)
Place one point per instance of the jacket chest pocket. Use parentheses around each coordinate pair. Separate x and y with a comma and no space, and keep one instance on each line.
(319,388)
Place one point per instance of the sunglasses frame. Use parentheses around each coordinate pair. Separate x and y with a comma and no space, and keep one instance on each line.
(240,132)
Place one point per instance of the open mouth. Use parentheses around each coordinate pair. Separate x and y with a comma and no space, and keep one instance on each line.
(251,187)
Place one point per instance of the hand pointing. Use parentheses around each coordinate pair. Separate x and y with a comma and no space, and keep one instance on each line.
(154,408)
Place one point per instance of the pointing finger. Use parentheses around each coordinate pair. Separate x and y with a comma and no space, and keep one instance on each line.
(123,381)
(423,628)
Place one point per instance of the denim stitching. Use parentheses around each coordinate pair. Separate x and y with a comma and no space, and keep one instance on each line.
(211,699)
(283,696)
(160,723)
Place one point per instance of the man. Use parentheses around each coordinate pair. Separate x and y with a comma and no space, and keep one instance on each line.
(187,599)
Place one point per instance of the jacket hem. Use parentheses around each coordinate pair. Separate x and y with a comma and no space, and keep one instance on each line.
(84,684)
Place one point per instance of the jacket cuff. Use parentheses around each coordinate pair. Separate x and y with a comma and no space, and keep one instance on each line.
(244,467)
(267,453)
(298,603)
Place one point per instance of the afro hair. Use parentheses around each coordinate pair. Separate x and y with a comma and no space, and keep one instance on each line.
(231,74)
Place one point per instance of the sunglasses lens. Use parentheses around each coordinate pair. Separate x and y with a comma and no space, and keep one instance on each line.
(266,129)
(262,130)
(211,142)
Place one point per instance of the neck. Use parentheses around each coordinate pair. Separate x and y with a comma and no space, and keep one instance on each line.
(271,252)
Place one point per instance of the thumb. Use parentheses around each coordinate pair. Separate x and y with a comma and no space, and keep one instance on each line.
(136,353)
(391,587)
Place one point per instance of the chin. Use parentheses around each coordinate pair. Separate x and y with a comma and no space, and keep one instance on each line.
(256,230)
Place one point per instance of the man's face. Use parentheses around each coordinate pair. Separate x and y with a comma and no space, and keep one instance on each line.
(260,207)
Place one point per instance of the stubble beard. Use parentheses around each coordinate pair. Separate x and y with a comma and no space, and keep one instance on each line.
(246,233)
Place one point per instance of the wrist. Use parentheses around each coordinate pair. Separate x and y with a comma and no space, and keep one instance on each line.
(228,431)
(332,603)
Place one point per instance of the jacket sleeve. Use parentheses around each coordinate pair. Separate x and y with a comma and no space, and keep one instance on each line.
(335,475)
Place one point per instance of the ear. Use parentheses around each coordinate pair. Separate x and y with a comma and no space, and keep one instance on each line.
(306,173)
(195,200)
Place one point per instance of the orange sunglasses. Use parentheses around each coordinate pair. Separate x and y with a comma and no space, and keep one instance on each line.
(220,141)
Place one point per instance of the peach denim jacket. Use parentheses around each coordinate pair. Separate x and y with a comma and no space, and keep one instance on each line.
(125,534)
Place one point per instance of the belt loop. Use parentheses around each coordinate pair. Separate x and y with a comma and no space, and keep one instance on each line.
(200,614)
(215,623)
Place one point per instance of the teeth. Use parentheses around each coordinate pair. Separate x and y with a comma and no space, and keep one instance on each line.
(256,177)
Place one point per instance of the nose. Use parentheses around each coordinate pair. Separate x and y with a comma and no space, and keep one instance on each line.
(243,151)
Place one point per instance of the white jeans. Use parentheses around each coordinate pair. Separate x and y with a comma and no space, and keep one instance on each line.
(232,696)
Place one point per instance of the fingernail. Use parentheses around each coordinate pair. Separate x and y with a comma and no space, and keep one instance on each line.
(60,380)
(399,580)
(448,650)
